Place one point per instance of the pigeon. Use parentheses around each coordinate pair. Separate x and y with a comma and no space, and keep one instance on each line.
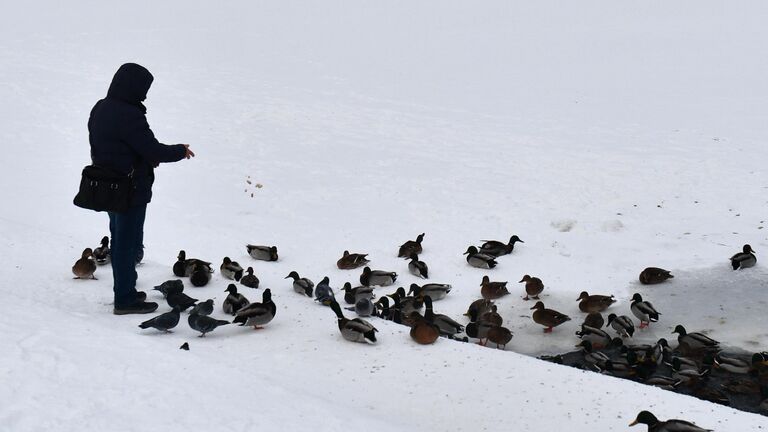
(204,308)
(204,324)
(180,300)
(324,293)
(163,322)
(175,286)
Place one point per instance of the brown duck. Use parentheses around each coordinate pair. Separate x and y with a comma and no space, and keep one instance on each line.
(493,290)
(411,247)
(654,275)
(478,308)
(533,287)
(594,303)
(85,266)
(549,318)
(423,331)
(492,317)
(499,335)
(351,261)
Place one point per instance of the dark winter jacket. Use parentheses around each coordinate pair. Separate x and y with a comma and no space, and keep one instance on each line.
(120,135)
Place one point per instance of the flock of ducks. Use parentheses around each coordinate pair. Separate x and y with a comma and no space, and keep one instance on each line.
(692,364)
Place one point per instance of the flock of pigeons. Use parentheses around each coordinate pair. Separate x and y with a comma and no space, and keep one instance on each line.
(692,364)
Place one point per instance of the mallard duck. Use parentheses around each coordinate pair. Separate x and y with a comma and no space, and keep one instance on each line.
(497,248)
(231,269)
(384,311)
(301,285)
(262,253)
(170,287)
(85,267)
(549,318)
(597,337)
(732,364)
(257,314)
(533,287)
(712,395)
(764,395)
(433,290)
(250,280)
(234,301)
(447,325)
(663,382)
(479,260)
(323,293)
(184,266)
(594,303)
(101,254)
(741,386)
(203,308)
(377,277)
(352,295)
(499,335)
(406,304)
(594,319)
(477,308)
(180,300)
(622,325)
(492,290)
(760,365)
(352,261)
(163,322)
(205,324)
(617,368)
(595,358)
(492,317)
(744,259)
(478,330)
(662,353)
(411,247)
(180,266)
(423,331)
(354,330)
(644,311)
(201,275)
(656,425)
(694,341)
(418,268)
(654,275)
(685,372)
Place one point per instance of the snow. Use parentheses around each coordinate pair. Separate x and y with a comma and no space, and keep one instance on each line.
(610,136)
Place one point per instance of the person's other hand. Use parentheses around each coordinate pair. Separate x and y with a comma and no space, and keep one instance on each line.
(190,153)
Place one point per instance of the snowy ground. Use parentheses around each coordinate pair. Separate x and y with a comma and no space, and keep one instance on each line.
(610,136)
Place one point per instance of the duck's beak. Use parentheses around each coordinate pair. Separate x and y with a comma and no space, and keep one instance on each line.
(521,281)
(633,423)
(533,308)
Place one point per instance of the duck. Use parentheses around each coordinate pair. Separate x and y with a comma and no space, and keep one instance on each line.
(406,304)
(594,319)
(231,269)
(180,266)
(533,287)
(353,330)
(170,287)
(493,290)
(234,301)
(384,311)
(184,266)
(497,248)
(694,341)
(661,352)
(249,279)
(418,268)
(492,317)
(301,285)
(324,293)
(447,325)
(549,318)
(594,303)
(180,300)
(423,331)
(352,295)
(673,425)
(478,330)
(764,395)
(622,325)
(594,358)
(654,275)
(644,311)
(204,308)
(205,324)
(411,247)
(257,314)
(477,308)
(732,364)
(744,259)
(663,382)
(163,322)
(596,336)
(377,277)
(741,386)
(262,253)
(85,267)
(479,260)
(499,335)
(350,261)
(201,275)
(102,254)
(436,291)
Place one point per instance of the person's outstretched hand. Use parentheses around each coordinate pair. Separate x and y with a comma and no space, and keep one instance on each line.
(190,153)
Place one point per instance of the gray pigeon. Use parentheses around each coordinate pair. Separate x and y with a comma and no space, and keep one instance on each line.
(324,293)
(204,324)
(163,322)
(204,308)
(170,287)
(363,307)
(180,300)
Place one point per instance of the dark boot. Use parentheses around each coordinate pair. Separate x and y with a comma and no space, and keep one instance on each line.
(136,308)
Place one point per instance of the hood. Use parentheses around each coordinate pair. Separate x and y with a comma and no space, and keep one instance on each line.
(130,83)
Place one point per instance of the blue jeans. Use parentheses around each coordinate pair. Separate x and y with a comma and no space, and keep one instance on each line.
(127,231)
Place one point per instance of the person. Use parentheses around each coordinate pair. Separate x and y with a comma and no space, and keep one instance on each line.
(121,139)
